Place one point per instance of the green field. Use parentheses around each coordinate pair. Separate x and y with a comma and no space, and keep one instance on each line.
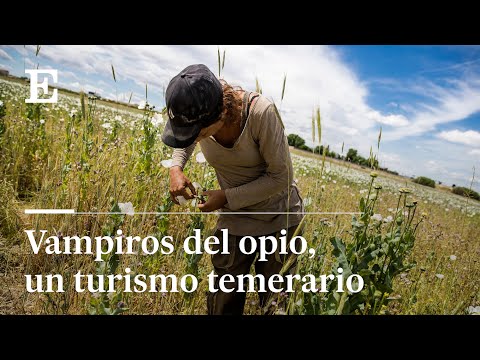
(418,248)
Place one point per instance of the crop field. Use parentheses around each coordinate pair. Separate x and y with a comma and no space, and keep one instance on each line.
(417,248)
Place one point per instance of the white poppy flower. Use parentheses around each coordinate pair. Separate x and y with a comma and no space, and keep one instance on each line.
(197,186)
(142,105)
(126,208)
(474,310)
(167,163)
(157,120)
(181,200)
(200,158)
(388,219)
(42,121)
(377,217)
(106,125)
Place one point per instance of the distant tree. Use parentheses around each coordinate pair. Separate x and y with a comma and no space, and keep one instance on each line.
(351,155)
(463,191)
(423,180)
(318,149)
(305,147)
(295,140)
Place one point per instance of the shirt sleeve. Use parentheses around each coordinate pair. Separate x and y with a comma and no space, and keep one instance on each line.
(273,145)
(181,156)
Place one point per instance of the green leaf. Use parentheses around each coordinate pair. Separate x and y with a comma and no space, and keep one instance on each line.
(339,252)
(362,204)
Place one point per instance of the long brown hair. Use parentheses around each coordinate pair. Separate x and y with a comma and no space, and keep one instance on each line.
(232,104)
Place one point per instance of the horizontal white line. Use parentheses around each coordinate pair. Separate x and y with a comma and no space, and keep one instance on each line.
(68,211)
(49,211)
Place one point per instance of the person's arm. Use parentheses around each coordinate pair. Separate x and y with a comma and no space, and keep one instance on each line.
(181,156)
(273,145)
(178,181)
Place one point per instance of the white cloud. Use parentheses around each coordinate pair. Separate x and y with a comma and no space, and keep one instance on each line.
(457,101)
(316,75)
(392,120)
(474,152)
(469,137)
(4,55)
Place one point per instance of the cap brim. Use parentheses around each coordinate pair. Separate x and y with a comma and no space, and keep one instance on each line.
(180,136)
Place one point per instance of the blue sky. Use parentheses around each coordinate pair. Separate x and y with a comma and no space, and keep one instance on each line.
(425,98)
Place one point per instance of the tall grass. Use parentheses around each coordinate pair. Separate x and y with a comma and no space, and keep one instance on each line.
(47,165)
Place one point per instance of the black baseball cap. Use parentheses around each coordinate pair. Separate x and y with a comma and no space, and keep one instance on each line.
(194,100)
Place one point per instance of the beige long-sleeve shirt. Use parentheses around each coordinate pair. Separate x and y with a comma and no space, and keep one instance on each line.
(256,174)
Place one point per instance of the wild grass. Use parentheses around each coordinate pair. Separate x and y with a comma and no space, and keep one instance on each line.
(78,159)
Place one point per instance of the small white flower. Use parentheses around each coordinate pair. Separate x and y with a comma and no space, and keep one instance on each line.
(157,120)
(107,125)
(453,257)
(323,187)
(42,121)
(1,103)
(181,200)
(142,105)
(118,118)
(197,185)
(307,201)
(126,208)
(390,210)
(334,181)
(447,209)
(377,217)
(73,112)
(474,310)
(167,163)
(200,158)
(440,276)
(388,219)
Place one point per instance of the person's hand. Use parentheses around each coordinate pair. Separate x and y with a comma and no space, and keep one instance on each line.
(216,199)
(179,184)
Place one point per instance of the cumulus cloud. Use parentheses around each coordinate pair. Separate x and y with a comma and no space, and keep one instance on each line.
(4,55)
(474,152)
(456,101)
(469,137)
(316,76)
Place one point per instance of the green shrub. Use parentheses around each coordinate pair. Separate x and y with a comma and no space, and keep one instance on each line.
(422,180)
(463,191)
